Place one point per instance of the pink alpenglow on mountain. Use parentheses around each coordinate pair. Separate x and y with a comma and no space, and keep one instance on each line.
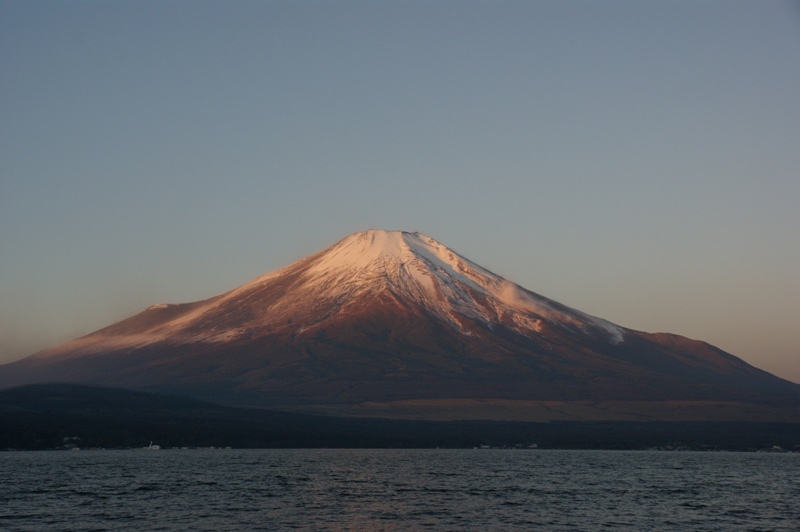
(389,323)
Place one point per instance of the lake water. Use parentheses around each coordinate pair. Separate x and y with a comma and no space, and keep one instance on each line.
(398,490)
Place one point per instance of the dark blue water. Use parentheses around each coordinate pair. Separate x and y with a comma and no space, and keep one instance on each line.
(398,490)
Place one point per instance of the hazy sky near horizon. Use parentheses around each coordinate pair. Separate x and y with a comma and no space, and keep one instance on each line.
(639,161)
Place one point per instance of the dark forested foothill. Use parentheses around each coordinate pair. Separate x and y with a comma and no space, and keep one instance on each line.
(59,416)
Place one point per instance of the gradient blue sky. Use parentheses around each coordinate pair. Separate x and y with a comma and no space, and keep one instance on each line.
(639,161)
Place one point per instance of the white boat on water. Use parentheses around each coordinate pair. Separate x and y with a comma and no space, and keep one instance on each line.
(152,447)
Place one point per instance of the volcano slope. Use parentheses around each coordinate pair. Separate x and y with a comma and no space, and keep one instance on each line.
(395,324)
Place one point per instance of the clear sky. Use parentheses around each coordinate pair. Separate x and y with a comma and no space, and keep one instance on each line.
(639,161)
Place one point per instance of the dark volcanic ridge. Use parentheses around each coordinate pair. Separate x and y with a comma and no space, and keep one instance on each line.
(384,319)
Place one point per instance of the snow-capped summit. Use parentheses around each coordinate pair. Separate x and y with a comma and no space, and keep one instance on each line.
(415,267)
(384,316)
(411,268)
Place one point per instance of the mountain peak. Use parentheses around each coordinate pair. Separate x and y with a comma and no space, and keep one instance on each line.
(366,246)
(420,270)
(386,316)
(376,248)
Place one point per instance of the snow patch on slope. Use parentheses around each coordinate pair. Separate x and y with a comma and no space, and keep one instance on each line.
(514,296)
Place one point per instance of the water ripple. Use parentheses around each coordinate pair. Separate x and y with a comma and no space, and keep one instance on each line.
(398,490)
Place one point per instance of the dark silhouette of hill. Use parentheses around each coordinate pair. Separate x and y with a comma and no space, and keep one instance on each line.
(54,415)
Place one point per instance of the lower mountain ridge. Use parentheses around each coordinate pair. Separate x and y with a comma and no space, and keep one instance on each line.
(70,416)
(394,324)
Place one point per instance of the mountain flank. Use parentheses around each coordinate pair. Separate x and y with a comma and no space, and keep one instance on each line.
(395,324)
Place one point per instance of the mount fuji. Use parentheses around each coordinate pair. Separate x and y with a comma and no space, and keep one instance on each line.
(395,324)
